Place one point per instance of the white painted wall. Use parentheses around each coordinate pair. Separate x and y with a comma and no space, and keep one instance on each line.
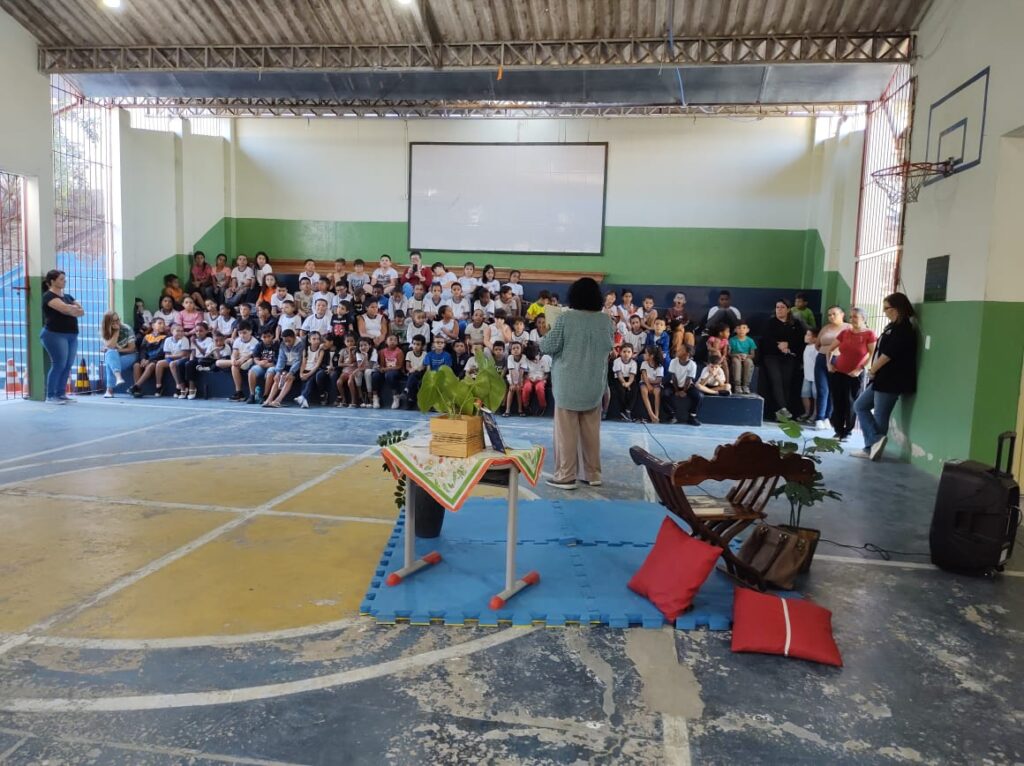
(25,135)
(957,39)
(149,206)
(840,159)
(661,172)
(173,189)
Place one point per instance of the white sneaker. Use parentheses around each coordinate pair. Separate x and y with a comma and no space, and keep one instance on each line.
(376,402)
(878,449)
(118,380)
(192,394)
(108,395)
(301,401)
(396,402)
(862,454)
(822,425)
(561,484)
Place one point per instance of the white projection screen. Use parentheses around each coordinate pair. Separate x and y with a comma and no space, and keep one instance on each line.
(510,198)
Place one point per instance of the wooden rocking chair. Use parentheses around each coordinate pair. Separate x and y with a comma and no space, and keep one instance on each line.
(756,467)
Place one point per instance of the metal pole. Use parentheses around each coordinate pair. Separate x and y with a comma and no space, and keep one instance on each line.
(513,511)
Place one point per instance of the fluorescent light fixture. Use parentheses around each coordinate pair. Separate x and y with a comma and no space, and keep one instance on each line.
(112,3)
(405,2)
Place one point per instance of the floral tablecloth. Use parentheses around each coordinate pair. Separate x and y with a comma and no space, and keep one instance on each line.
(450,480)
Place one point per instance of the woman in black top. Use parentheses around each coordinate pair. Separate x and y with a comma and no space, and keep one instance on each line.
(781,354)
(60,333)
(893,372)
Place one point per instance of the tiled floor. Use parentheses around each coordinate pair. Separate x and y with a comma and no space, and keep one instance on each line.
(179,582)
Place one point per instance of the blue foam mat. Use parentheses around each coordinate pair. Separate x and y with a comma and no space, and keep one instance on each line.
(585,552)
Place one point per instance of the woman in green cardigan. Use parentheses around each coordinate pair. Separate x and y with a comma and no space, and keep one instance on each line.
(579,345)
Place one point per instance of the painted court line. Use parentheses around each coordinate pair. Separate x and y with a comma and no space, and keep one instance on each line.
(96,440)
(268,691)
(176,752)
(183,642)
(675,736)
(169,558)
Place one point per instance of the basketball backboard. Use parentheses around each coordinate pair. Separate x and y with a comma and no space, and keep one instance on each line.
(956,125)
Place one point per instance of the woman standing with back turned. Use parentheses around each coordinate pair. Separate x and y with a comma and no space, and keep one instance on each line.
(893,372)
(579,345)
(59,334)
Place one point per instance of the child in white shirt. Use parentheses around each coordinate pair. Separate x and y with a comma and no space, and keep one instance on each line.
(681,384)
(713,379)
(177,350)
(468,279)
(807,390)
(517,368)
(651,372)
(625,384)
(385,275)
(538,368)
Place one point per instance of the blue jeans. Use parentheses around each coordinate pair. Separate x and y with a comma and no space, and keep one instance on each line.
(116,362)
(62,348)
(873,410)
(822,388)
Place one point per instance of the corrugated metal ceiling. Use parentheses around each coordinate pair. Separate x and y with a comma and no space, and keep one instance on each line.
(244,22)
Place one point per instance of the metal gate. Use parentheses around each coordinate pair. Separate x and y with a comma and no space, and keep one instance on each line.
(83,215)
(880,223)
(13,271)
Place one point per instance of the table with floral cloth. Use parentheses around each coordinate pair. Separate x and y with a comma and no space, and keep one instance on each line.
(450,481)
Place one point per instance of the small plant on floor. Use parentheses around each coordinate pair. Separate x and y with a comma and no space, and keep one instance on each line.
(443,392)
(386,439)
(801,495)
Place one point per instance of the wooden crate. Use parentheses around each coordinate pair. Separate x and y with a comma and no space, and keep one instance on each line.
(456,437)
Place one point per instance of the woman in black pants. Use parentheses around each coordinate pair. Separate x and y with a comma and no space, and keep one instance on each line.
(781,352)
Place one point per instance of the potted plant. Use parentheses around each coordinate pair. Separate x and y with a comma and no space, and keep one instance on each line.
(459,431)
(799,494)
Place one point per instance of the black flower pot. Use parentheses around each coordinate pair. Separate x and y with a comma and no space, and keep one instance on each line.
(429,512)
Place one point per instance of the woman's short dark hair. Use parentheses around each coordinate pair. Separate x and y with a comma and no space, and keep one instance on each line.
(784,301)
(51,277)
(902,304)
(585,295)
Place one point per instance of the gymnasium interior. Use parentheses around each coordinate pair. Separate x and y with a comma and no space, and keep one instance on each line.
(197,580)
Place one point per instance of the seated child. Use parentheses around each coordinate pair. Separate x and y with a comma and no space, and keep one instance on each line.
(537,307)
(652,370)
(143,320)
(624,385)
(392,369)
(289,318)
(242,349)
(203,346)
(742,349)
(173,290)
(264,359)
(418,326)
(680,385)
(312,362)
(414,367)
(519,333)
(177,350)
(538,370)
(151,351)
(437,357)
(802,312)
(712,378)
(277,300)
(347,365)
(281,378)
(368,365)
(460,355)
(517,368)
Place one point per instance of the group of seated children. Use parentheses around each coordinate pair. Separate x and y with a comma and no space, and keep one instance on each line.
(342,336)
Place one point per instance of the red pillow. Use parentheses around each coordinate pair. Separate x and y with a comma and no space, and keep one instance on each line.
(674,570)
(791,627)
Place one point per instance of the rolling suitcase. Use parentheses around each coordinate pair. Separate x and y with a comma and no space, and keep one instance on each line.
(977,513)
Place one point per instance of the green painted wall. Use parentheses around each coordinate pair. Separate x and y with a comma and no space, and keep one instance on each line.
(36,360)
(969,382)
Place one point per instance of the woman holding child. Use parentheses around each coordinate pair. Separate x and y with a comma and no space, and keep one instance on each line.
(579,345)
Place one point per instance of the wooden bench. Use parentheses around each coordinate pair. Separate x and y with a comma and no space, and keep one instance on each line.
(756,467)
(294,267)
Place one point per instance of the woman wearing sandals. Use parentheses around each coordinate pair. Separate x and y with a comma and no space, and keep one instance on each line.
(892,373)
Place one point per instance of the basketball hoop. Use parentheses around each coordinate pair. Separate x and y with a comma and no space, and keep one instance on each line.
(903,182)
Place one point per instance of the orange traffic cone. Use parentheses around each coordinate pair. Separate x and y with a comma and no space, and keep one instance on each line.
(13,387)
(82,379)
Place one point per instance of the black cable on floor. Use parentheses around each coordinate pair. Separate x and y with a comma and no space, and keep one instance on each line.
(883,553)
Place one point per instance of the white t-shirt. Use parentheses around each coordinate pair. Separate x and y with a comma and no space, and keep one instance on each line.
(635,341)
(245,348)
(373,326)
(445,280)
(511,308)
(384,276)
(172,346)
(517,369)
(415,362)
(371,359)
(488,309)
(432,309)
(469,284)
(621,368)
(241,276)
(712,377)
(654,374)
(460,308)
(398,302)
(538,369)
(262,272)
(493,287)
(203,346)
(810,358)
(224,325)
(716,308)
(313,359)
(411,331)
(314,279)
(451,328)
(277,301)
(682,372)
(293,322)
(313,323)
(517,288)
(327,297)
(169,317)
(519,337)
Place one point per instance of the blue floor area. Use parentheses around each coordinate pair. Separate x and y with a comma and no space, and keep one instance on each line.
(934,662)
(585,552)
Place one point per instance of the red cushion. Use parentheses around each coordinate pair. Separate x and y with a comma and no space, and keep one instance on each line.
(791,627)
(674,570)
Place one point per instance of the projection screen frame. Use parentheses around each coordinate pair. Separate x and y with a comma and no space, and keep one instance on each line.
(604,195)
